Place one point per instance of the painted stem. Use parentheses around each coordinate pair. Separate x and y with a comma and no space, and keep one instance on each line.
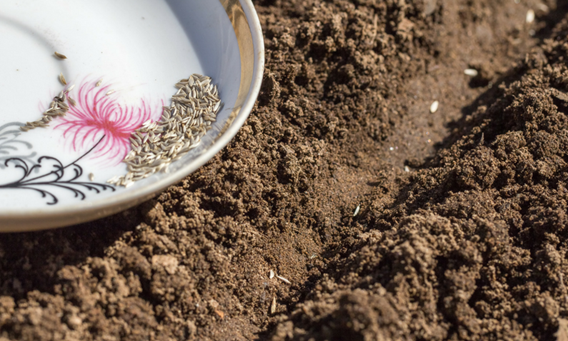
(72,163)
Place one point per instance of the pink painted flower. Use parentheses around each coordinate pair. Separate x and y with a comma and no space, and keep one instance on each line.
(97,114)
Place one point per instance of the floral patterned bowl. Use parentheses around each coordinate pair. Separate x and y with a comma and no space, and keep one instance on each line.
(123,59)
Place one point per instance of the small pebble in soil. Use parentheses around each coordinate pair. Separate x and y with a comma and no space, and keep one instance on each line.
(220,314)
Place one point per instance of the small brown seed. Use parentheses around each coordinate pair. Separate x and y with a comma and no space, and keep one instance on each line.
(60,56)
(62,79)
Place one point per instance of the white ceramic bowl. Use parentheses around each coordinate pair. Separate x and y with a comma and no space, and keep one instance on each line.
(56,176)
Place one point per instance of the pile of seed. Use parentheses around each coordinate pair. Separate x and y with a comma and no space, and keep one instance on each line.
(157,144)
(57,108)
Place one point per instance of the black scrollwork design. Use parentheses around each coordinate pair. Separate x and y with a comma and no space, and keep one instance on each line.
(9,143)
(55,175)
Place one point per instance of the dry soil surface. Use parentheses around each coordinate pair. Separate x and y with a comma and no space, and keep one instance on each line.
(344,209)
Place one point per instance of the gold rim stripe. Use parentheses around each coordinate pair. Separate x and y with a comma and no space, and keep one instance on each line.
(246,48)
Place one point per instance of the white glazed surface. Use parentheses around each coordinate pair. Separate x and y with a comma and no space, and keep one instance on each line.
(140,49)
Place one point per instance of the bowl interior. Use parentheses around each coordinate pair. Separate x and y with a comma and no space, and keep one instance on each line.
(135,50)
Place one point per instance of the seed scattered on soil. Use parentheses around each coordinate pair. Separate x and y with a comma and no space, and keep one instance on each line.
(434,106)
(273,306)
(470,72)
(271,274)
(530,16)
(60,56)
(356,211)
(283,279)
(157,144)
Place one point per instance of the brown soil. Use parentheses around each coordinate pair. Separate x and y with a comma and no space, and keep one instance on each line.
(461,231)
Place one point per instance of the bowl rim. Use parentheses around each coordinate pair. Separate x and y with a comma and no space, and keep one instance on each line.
(240,12)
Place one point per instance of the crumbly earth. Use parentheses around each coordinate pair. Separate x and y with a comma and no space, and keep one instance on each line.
(461,225)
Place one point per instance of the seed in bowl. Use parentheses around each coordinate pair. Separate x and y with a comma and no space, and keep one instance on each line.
(155,145)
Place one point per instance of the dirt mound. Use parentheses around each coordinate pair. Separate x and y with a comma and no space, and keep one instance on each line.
(378,218)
